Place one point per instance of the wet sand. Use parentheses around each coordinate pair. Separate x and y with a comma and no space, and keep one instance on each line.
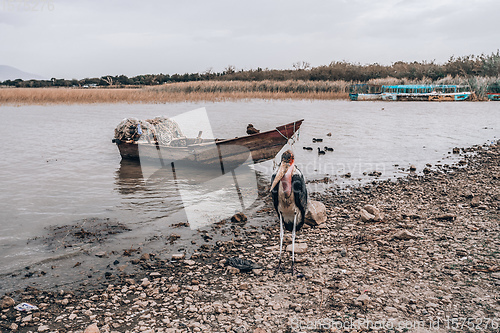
(429,262)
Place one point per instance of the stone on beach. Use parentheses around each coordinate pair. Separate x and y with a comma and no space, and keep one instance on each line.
(365,216)
(370,213)
(433,255)
(447,217)
(92,329)
(299,248)
(7,302)
(239,217)
(364,299)
(404,235)
(233,270)
(316,213)
(178,256)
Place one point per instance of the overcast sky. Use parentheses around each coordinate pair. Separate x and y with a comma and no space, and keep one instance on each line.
(78,39)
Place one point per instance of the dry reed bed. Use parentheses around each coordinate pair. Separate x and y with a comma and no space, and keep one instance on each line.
(213,91)
(179,92)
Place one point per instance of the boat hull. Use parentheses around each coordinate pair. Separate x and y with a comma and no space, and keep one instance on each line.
(365,92)
(365,97)
(260,147)
(426,97)
(493,97)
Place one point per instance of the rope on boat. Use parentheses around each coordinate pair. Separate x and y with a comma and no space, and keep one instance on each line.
(290,141)
(293,135)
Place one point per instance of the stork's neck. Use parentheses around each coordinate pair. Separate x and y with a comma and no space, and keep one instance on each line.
(287,180)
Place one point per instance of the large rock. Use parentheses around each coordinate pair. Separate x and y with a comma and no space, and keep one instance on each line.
(316,213)
(6,302)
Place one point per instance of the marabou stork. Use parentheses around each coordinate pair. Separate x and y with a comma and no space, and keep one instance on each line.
(289,193)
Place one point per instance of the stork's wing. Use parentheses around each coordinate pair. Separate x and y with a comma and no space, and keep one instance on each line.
(274,193)
(300,191)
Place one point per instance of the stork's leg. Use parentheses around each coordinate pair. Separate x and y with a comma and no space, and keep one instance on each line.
(281,241)
(293,242)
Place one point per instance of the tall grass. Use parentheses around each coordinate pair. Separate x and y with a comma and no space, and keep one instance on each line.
(219,91)
(179,92)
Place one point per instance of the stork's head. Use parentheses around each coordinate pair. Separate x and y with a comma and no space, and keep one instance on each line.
(287,157)
(287,160)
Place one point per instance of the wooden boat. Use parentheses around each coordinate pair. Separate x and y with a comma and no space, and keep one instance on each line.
(416,93)
(260,147)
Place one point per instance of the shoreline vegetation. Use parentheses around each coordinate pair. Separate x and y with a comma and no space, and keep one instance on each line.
(330,81)
(177,92)
(213,91)
(427,261)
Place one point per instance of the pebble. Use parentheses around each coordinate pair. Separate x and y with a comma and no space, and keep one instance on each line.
(300,248)
(92,329)
(233,270)
(423,259)
(362,299)
(390,309)
(178,256)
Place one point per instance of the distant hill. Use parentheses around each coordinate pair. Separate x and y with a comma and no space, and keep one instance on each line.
(12,73)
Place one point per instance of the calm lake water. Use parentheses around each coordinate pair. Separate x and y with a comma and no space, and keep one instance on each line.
(59,166)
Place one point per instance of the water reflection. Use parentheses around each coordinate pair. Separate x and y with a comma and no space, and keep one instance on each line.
(206,194)
(129,178)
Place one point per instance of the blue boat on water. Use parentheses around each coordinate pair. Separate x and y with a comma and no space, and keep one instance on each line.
(493,92)
(408,92)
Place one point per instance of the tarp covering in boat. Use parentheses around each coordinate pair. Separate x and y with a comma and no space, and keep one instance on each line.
(160,129)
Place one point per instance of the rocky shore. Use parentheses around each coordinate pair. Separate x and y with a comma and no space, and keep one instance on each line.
(418,254)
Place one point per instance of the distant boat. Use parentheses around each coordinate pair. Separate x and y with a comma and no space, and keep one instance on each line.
(365,92)
(260,147)
(493,92)
(411,93)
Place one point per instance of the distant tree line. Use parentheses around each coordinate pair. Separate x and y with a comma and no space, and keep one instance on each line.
(466,66)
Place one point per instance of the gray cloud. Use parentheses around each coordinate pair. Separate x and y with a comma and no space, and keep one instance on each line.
(95,38)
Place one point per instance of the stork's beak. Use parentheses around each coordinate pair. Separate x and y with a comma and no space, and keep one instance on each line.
(281,172)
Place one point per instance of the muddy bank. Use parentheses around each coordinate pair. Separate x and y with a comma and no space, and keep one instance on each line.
(429,259)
